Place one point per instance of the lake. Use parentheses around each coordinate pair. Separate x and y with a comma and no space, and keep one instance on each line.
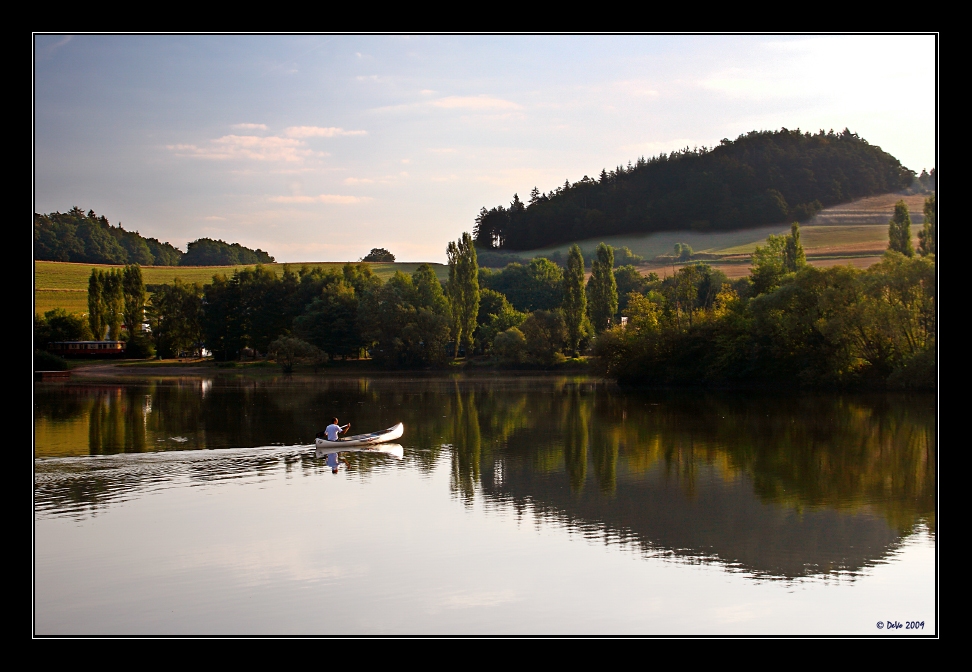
(524,504)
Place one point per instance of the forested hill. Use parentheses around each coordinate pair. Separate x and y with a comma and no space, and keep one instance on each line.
(762,177)
(87,238)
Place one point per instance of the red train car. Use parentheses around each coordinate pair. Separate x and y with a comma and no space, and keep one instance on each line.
(88,348)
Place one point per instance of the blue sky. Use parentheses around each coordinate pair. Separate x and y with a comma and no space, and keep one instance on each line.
(318,148)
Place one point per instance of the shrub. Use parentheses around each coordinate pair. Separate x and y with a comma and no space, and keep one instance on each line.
(510,346)
(546,336)
(46,361)
(289,352)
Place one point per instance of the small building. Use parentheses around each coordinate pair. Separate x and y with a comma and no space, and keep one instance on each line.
(88,348)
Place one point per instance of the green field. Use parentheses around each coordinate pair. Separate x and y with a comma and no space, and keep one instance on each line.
(65,285)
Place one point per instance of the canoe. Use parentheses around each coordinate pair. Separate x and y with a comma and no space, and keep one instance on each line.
(390,449)
(361,440)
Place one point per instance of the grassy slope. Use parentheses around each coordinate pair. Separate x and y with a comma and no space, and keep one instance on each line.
(857,229)
(64,285)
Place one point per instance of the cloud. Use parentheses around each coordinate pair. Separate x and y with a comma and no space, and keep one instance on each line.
(319,132)
(215,218)
(250,127)
(321,198)
(358,180)
(47,51)
(251,147)
(475,103)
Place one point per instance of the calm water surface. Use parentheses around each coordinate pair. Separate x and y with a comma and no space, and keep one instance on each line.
(522,505)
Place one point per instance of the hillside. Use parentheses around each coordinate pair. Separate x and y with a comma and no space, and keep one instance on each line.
(80,237)
(853,233)
(760,179)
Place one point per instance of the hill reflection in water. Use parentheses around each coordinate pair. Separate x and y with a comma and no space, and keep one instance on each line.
(776,486)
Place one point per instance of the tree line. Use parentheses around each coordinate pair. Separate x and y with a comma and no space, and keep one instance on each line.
(785,322)
(762,177)
(82,237)
(788,323)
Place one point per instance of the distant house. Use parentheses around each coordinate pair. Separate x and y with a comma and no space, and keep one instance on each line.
(88,348)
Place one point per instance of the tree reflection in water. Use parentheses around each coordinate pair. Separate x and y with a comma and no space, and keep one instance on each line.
(784,485)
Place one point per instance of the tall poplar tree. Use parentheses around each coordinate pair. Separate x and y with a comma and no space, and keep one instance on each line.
(794,258)
(96,314)
(133,290)
(463,291)
(575,298)
(603,289)
(112,302)
(926,237)
(899,230)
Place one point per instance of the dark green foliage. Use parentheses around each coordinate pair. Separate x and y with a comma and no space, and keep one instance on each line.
(59,325)
(163,254)
(289,351)
(628,279)
(399,332)
(602,290)
(87,238)
(463,291)
(496,315)
(575,299)
(175,318)
(546,336)
(209,252)
(330,322)
(46,361)
(379,254)
(683,252)
(760,178)
(899,230)
(106,303)
(133,292)
(926,237)
(534,286)
(772,262)
(819,327)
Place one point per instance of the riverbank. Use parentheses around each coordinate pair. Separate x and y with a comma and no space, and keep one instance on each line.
(263,369)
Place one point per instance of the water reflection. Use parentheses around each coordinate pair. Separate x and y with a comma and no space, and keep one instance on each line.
(775,486)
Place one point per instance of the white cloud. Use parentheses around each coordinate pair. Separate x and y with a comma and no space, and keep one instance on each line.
(321,198)
(252,147)
(319,132)
(475,103)
(250,127)
(358,180)
(214,218)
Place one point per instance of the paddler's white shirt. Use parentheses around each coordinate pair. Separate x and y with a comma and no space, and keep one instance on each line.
(332,432)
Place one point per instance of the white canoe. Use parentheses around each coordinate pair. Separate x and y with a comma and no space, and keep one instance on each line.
(390,449)
(361,440)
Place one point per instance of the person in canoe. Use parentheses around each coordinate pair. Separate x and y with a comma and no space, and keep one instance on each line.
(333,430)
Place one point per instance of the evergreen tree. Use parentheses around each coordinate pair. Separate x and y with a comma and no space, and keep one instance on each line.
(603,303)
(96,315)
(575,298)
(463,291)
(899,230)
(926,237)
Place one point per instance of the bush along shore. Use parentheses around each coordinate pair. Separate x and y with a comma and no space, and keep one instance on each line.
(785,325)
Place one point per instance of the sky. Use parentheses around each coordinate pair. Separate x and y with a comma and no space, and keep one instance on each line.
(319,148)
